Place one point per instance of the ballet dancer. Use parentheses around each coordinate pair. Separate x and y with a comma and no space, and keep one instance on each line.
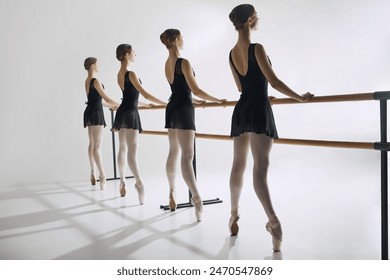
(94,118)
(253,123)
(180,119)
(127,120)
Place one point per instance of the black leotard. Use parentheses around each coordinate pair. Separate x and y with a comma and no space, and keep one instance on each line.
(179,113)
(253,112)
(127,115)
(93,114)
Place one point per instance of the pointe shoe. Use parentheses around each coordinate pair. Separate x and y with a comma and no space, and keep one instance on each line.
(275,229)
(93,180)
(122,190)
(102,182)
(233,226)
(172,200)
(198,205)
(141,193)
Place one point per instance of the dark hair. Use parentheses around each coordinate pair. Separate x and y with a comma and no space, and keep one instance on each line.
(122,50)
(88,62)
(169,36)
(240,14)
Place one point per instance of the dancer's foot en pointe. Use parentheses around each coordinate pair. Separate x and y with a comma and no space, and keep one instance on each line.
(172,200)
(198,205)
(141,192)
(102,180)
(274,227)
(233,226)
(122,189)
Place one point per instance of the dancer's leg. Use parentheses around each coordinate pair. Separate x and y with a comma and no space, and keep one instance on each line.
(97,135)
(122,155)
(173,155)
(90,153)
(241,145)
(186,143)
(261,146)
(131,141)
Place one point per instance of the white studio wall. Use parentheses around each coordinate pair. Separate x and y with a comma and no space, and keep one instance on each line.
(326,47)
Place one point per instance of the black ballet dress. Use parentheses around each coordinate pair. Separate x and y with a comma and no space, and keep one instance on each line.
(180,113)
(253,112)
(127,115)
(93,114)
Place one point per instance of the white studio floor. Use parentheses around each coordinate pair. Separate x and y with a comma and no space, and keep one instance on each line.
(68,220)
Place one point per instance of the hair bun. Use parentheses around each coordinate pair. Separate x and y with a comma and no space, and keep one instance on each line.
(169,36)
(88,62)
(240,14)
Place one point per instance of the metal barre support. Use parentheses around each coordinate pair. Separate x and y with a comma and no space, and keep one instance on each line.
(384,182)
(381,95)
(382,146)
(188,204)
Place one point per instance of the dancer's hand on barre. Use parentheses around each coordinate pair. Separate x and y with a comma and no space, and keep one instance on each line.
(221,101)
(306,97)
(112,106)
(271,98)
(198,101)
(147,105)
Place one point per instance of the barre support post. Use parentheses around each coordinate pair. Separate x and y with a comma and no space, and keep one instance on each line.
(384,182)
(113,144)
(381,95)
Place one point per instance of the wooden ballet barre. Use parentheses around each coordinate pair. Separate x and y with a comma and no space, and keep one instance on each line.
(329,144)
(302,142)
(277,101)
(378,95)
(327,98)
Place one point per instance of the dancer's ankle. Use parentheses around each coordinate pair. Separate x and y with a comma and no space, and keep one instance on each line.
(234,212)
(273,219)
